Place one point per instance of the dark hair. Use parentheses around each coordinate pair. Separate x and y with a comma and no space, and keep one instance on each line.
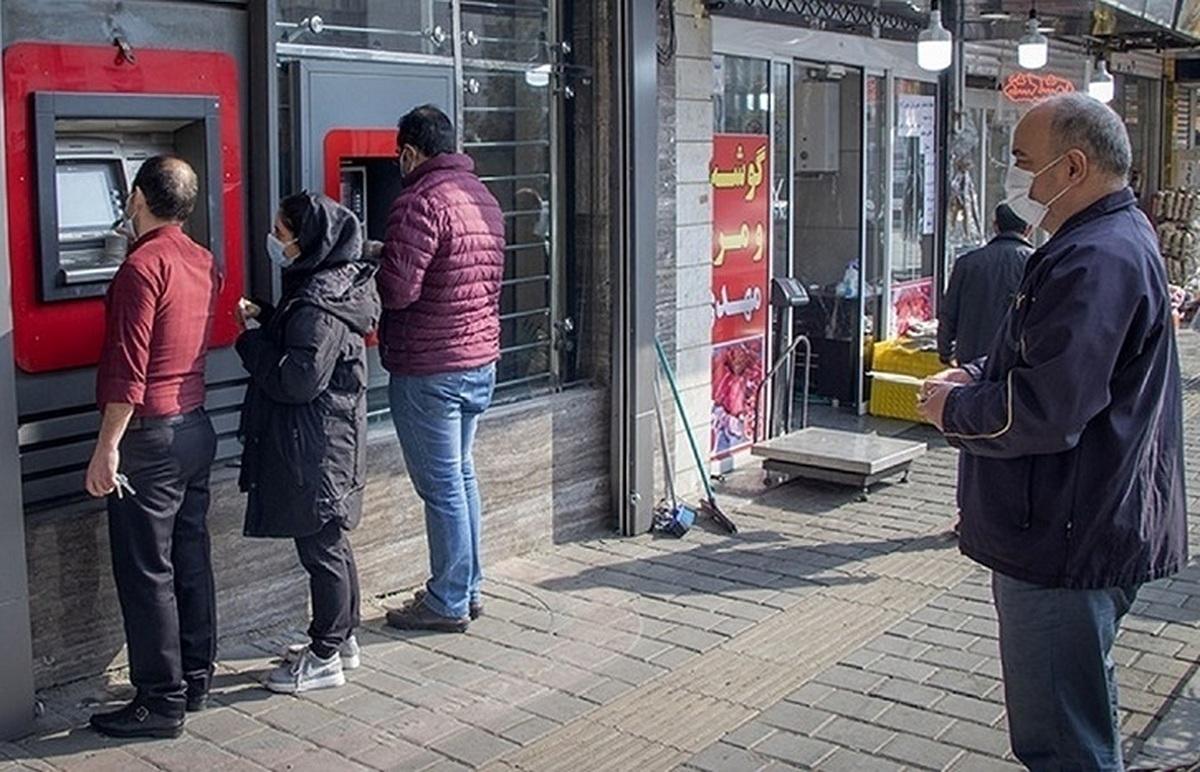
(169,185)
(295,209)
(428,129)
(1008,222)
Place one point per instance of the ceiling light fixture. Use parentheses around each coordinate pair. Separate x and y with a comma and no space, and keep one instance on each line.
(935,44)
(1033,48)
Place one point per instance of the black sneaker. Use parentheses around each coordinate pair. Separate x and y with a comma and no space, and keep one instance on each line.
(474,610)
(137,720)
(418,616)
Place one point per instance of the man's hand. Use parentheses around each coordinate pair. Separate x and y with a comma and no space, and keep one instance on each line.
(955,375)
(102,471)
(931,402)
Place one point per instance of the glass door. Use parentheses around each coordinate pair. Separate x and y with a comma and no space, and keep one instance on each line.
(914,206)
(827,156)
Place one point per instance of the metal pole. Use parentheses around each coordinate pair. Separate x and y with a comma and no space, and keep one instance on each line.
(635,89)
(16,666)
(264,137)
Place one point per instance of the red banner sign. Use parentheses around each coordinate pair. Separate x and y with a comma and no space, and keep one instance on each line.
(740,178)
(1030,86)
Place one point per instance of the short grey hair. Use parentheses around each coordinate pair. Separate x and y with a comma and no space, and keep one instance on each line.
(1080,121)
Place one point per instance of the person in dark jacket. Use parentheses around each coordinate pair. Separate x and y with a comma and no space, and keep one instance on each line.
(439,280)
(1071,483)
(982,286)
(304,422)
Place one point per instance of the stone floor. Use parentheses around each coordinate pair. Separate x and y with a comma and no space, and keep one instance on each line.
(829,633)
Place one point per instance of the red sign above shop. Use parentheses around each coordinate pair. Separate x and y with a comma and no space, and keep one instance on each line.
(740,177)
(1030,86)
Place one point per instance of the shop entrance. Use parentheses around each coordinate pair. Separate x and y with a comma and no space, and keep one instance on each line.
(827,228)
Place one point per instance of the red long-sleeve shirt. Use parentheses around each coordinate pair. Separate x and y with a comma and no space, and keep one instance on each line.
(159,317)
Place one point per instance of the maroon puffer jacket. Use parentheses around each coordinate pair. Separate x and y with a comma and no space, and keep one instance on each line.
(440,273)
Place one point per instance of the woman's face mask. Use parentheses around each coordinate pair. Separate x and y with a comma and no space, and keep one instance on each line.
(1018,187)
(277,251)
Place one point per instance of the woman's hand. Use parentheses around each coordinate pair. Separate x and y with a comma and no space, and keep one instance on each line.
(245,311)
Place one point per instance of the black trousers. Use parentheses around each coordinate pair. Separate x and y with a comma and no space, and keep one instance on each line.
(333,584)
(162,560)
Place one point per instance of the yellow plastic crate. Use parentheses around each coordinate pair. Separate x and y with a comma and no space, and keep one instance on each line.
(895,400)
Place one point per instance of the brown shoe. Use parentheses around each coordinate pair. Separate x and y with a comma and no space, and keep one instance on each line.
(475,610)
(418,616)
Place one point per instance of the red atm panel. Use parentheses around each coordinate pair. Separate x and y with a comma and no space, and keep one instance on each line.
(50,336)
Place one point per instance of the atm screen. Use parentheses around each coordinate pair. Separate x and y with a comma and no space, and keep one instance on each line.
(89,197)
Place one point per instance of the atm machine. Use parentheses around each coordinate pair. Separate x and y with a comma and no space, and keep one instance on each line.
(79,122)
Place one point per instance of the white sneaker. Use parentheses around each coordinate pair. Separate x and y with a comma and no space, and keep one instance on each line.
(306,673)
(350,652)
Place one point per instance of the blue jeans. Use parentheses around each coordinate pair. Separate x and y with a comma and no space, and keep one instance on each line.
(435,418)
(1060,684)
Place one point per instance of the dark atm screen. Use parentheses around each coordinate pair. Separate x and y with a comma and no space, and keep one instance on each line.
(354,191)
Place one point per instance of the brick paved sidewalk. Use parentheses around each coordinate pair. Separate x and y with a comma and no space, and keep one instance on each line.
(829,633)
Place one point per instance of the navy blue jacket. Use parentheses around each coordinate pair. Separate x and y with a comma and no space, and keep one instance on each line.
(1072,474)
(982,285)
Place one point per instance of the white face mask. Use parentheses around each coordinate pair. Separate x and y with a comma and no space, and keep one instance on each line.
(1018,186)
(275,251)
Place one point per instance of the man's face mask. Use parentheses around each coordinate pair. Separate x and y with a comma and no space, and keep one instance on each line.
(1018,187)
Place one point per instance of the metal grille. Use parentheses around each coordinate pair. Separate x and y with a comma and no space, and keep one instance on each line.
(508,128)
(823,14)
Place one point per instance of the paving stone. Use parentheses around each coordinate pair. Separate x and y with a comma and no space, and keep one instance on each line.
(811,693)
(921,752)
(674,657)
(794,749)
(990,742)
(529,730)
(947,638)
(853,705)
(749,734)
(908,693)
(268,747)
(861,658)
(220,725)
(969,708)
(850,678)
(422,726)
(974,685)
(727,758)
(693,639)
(394,755)
(298,717)
(606,691)
(321,760)
(373,708)
(627,669)
(899,647)
(795,718)
(473,747)
(894,666)
(845,760)
(558,706)
(974,762)
(855,734)
(924,723)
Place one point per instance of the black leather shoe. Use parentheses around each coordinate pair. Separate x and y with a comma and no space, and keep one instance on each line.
(137,720)
(418,616)
(475,610)
(197,700)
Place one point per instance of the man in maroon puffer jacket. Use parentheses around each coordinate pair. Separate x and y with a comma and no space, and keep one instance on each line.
(439,280)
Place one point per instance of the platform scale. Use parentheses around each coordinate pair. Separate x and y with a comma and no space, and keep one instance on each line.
(829,455)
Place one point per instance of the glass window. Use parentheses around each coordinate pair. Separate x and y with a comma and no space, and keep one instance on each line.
(1139,103)
(914,204)
(742,98)
(508,114)
(876,207)
(411,26)
(506,30)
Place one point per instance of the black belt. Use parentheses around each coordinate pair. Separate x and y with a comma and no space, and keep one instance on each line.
(156,422)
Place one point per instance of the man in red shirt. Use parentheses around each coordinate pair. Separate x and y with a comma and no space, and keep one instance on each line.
(150,388)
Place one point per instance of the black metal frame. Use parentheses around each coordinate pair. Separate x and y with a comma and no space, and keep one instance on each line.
(52,106)
(826,14)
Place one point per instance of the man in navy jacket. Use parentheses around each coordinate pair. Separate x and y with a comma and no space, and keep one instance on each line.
(1071,477)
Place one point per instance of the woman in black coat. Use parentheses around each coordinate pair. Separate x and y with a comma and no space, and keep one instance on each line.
(304,422)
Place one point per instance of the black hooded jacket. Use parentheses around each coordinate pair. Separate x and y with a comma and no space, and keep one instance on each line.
(304,422)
